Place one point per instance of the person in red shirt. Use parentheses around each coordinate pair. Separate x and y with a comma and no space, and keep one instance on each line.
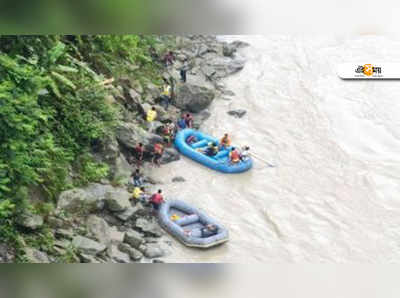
(139,153)
(156,200)
(158,152)
(234,155)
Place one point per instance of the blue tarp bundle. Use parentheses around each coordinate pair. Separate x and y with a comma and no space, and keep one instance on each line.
(219,162)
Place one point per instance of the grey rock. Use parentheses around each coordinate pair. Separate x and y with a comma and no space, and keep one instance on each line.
(153,90)
(239,113)
(128,213)
(118,256)
(117,200)
(229,49)
(170,155)
(148,228)
(216,67)
(193,98)
(130,134)
(79,199)
(88,246)
(134,254)
(85,258)
(134,239)
(99,229)
(30,221)
(178,179)
(35,256)
(153,251)
(63,233)
(6,256)
(135,96)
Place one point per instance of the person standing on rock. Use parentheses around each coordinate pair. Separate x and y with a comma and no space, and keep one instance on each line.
(150,117)
(183,70)
(166,94)
(139,154)
(158,152)
(169,59)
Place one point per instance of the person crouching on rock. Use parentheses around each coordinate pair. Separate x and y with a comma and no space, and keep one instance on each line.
(168,135)
(137,178)
(158,152)
(156,200)
(139,194)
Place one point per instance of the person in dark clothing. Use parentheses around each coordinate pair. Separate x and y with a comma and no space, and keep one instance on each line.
(181,123)
(183,70)
(212,149)
(169,58)
(137,178)
(209,230)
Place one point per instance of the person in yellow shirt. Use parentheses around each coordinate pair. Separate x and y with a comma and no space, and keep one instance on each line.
(150,117)
(166,94)
(139,193)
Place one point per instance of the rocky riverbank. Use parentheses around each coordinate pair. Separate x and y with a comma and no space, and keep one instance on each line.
(99,223)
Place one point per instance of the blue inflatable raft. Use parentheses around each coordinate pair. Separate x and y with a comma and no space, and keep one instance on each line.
(220,162)
(185,223)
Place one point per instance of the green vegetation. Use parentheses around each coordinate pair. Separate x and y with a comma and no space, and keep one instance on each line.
(53,110)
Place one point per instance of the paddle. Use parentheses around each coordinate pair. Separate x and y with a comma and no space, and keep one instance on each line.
(263,160)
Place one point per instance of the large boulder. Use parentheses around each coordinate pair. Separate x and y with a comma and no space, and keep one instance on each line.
(88,246)
(118,256)
(134,239)
(82,199)
(148,228)
(117,200)
(133,253)
(193,98)
(216,67)
(130,134)
(239,113)
(153,251)
(170,155)
(99,229)
(30,221)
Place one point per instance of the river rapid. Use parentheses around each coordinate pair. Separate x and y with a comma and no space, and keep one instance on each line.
(334,193)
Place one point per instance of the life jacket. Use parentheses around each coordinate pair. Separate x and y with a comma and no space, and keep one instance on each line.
(151,115)
(226,141)
(158,148)
(166,90)
(139,149)
(235,156)
(157,198)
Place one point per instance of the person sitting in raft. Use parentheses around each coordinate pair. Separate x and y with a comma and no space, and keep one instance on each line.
(156,200)
(212,149)
(245,154)
(225,142)
(181,123)
(191,140)
(208,231)
(234,155)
